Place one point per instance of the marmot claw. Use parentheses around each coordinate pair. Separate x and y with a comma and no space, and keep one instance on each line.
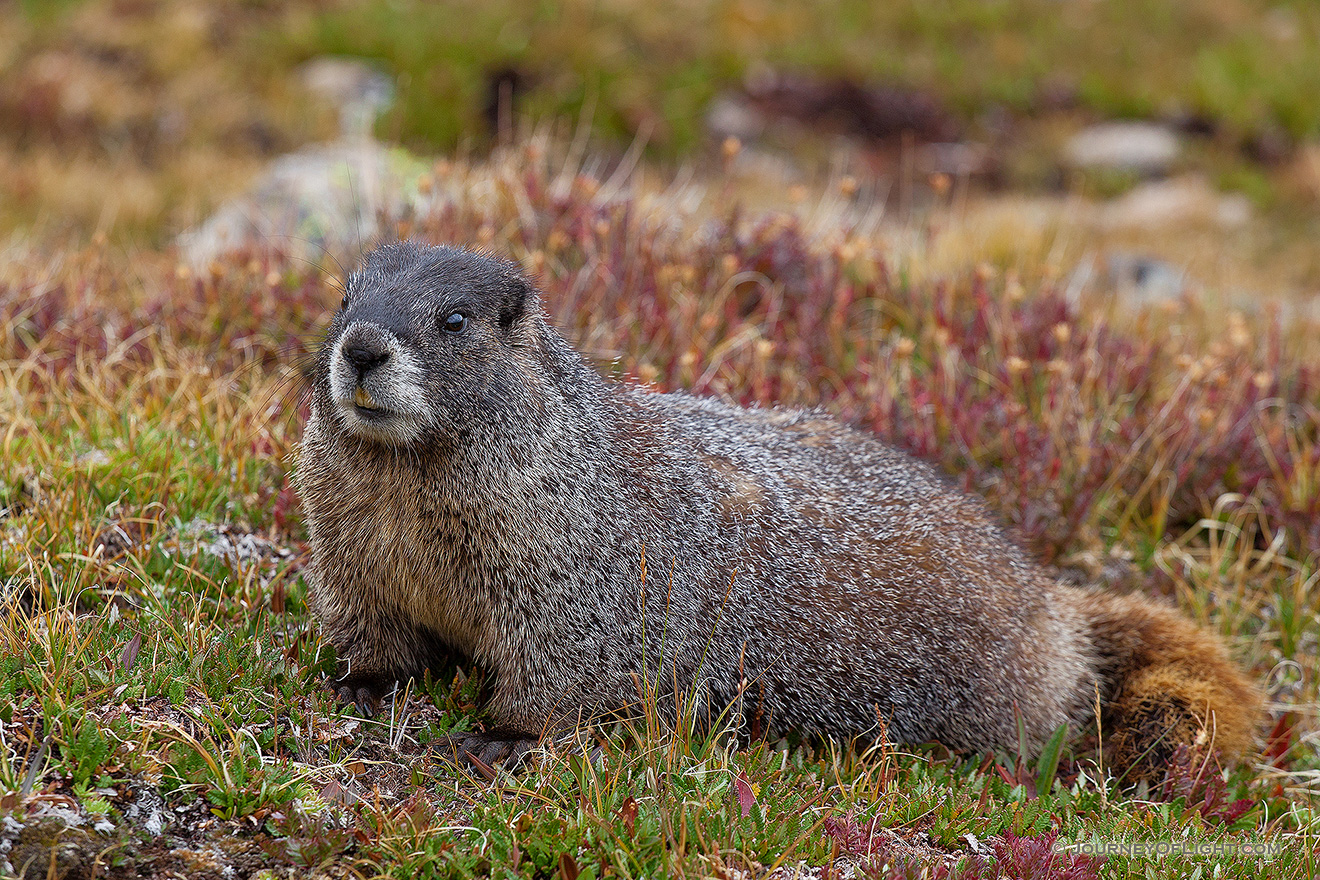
(490,751)
(365,695)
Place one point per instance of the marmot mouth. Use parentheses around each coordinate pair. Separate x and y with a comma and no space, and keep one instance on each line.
(367,407)
(364,401)
(370,414)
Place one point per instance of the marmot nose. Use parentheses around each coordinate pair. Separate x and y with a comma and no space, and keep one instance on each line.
(365,359)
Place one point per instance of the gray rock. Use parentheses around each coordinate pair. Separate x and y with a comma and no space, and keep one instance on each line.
(1179,201)
(323,198)
(1130,279)
(1141,280)
(1143,147)
(732,115)
(361,91)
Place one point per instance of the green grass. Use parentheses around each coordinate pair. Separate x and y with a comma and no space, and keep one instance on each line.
(1246,65)
(157,657)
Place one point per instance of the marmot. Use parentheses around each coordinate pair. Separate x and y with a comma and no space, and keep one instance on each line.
(473,487)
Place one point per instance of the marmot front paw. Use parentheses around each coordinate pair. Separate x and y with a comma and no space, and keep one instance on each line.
(364,691)
(490,751)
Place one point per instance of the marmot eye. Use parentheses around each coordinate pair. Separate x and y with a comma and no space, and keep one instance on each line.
(455,323)
(343,303)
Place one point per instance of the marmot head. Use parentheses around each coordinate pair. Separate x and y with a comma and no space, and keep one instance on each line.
(423,345)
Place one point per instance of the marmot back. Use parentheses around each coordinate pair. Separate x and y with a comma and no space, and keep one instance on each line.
(473,487)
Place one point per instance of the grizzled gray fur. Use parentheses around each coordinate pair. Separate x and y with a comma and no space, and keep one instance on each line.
(473,487)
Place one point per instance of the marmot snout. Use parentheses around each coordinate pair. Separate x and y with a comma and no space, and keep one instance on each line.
(377,383)
(473,487)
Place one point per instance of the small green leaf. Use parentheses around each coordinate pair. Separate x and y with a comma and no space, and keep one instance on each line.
(1048,762)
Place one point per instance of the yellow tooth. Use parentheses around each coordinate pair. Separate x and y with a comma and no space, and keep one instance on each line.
(363,399)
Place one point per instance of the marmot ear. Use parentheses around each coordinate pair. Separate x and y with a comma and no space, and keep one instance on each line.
(518,293)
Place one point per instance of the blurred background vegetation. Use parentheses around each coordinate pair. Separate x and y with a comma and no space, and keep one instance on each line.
(137,117)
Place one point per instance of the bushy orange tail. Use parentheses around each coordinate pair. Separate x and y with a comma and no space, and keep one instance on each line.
(1164,682)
